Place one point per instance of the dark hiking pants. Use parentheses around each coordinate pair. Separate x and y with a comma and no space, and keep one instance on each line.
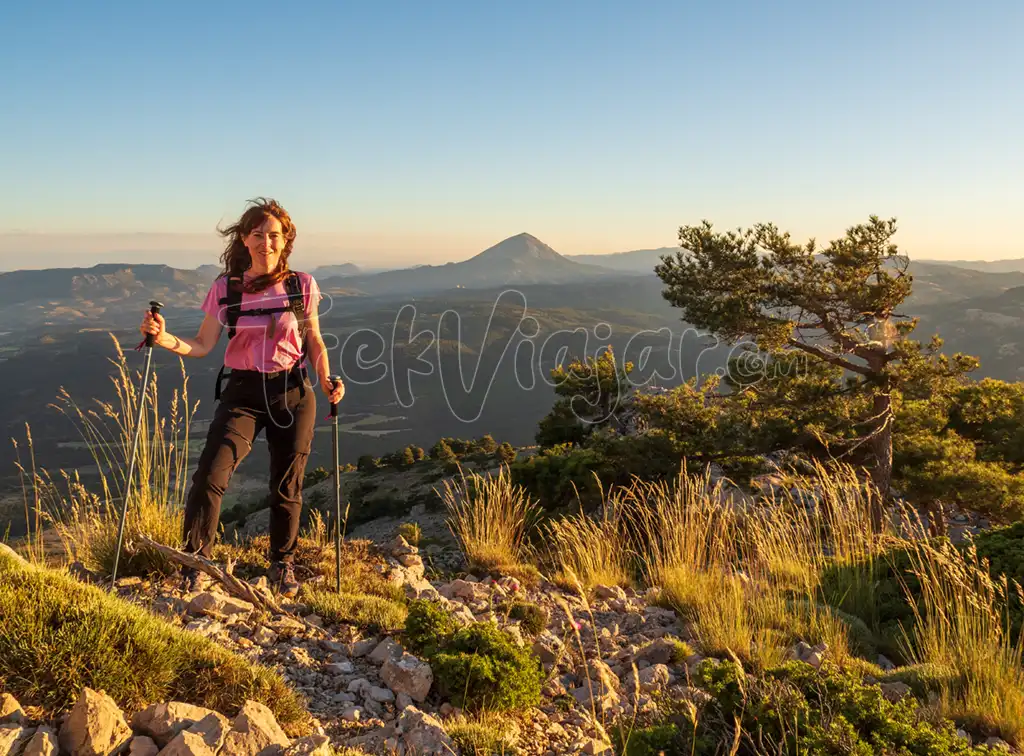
(282,404)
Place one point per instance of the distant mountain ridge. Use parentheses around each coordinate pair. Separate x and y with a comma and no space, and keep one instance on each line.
(322,271)
(1012,265)
(104,281)
(634,261)
(519,259)
(99,295)
(340,270)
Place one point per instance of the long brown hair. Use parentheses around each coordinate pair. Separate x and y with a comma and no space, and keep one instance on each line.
(236,258)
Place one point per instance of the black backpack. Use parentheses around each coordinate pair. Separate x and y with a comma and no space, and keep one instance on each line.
(233,311)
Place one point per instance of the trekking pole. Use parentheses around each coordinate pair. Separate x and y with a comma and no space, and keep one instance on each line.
(335,380)
(154,307)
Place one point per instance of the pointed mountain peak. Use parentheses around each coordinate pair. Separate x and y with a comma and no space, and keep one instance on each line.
(522,246)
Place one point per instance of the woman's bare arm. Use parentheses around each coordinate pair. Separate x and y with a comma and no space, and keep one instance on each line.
(206,338)
(319,358)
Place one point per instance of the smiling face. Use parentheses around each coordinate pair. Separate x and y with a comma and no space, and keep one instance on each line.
(265,244)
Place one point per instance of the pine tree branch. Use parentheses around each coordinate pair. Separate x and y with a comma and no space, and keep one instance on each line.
(828,356)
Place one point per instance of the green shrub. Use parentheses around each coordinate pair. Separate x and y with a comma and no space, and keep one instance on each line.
(428,628)
(486,444)
(533,619)
(442,452)
(506,453)
(461,446)
(560,426)
(312,477)
(887,610)
(1004,549)
(560,474)
(681,651)
(819,713)
(58,635)
(481,667)
(650,741)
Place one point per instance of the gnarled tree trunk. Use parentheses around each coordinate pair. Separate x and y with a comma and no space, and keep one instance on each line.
(881,452)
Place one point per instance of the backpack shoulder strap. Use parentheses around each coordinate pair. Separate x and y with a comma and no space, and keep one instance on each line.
(233,300)
(297,302)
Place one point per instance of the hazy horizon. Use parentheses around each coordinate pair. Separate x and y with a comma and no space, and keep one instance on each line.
(193,250)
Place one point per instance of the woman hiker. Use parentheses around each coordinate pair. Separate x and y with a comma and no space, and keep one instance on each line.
(271,315)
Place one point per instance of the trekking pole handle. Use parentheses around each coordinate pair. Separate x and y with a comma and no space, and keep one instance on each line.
(335,380)
(154,307)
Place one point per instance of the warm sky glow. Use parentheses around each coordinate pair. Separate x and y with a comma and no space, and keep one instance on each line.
(398,133)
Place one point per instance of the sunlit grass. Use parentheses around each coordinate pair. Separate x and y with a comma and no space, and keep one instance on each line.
(87,517)
(59,635)
(590,551)
(961,625)
(491,517)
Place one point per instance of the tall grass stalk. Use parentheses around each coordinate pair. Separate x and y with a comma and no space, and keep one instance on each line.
(682,528)
(960,622)
(749,578)
(33,548)
(86,518)
(590,551)
(792,539)
(491,518)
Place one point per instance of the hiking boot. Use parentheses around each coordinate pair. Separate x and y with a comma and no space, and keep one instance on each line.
(193,580)
(282,575)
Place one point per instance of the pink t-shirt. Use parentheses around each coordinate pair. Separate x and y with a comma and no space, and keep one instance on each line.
(258,343)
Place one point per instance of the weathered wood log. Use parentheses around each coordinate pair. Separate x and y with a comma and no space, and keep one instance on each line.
(235,587)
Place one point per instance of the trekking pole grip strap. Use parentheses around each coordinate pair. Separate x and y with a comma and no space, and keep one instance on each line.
(335,380)
(154,307)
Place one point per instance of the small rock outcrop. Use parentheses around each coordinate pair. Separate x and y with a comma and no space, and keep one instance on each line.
(408,675)
(95,727)
(163,721)
(253,731)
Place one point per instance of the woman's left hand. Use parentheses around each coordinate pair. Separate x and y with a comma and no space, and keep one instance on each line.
(334,392)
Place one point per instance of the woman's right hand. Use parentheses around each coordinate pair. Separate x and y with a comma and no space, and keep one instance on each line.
(153,324)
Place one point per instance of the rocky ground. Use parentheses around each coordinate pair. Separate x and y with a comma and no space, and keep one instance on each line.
(361,688)
(607,658)
(603,659)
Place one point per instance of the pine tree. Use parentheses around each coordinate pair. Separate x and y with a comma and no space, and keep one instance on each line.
(441,451)
(505,453)
(835,306)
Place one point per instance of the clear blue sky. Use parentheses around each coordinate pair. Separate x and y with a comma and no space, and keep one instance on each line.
(424,131)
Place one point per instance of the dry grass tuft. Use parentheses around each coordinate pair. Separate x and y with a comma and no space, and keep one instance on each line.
(87,520)
(590,552)
(485,734)
(491,518)
(961,624)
